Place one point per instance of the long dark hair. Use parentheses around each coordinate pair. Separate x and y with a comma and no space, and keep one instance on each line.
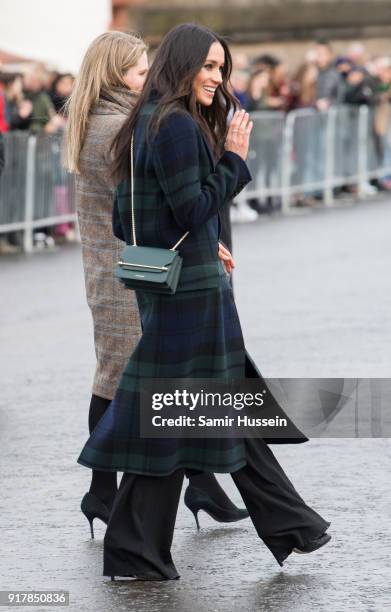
(179,57)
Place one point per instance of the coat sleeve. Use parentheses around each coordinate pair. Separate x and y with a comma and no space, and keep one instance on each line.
(176,160)
(116,220)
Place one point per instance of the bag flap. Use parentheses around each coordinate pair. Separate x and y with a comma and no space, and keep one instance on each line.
(150,256)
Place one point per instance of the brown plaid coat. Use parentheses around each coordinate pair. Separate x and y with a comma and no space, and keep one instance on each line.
(114,309)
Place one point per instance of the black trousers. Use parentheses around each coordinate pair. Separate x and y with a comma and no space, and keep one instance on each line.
(281,517)
(141,526)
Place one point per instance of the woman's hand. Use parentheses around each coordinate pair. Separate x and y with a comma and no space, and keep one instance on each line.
(226,258)
(238,136)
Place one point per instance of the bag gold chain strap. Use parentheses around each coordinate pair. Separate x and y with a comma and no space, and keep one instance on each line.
(132,194)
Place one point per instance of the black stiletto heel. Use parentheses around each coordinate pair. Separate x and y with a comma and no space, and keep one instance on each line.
(93,508)
(195,512)
(112,578)
(90,518)
(197,499)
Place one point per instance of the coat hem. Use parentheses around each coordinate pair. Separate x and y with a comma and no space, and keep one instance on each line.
(96,390)
(178,466)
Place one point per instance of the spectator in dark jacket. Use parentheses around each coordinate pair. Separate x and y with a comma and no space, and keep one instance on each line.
(360,87)
(330,86)
(61,90)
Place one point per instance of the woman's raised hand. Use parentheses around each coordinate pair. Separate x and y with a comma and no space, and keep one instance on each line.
(238,136)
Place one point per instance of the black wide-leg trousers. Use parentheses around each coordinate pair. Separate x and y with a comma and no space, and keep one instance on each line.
(141,526)
(281,517)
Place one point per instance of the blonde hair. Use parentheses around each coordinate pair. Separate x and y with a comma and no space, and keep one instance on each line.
(107,59)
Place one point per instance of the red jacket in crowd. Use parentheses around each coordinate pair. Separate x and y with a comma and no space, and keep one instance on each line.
(4,127)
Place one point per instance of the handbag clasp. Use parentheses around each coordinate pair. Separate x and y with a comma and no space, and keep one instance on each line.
(128,264)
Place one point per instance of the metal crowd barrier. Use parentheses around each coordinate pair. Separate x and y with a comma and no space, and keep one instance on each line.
(307,152)
(35,190)
(266,153)
(303,153)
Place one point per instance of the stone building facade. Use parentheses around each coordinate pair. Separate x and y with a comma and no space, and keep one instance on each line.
(257,21)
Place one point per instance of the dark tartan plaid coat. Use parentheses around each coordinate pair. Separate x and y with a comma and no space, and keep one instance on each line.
(194,333)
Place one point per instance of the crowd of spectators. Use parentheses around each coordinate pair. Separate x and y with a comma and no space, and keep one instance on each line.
(322,80)
(34,101)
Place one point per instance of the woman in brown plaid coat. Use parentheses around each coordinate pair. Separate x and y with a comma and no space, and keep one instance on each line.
(113,73)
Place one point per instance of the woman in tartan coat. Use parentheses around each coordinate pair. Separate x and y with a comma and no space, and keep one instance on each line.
(181,179)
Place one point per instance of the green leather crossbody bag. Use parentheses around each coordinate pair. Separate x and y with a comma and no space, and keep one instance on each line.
(148,268)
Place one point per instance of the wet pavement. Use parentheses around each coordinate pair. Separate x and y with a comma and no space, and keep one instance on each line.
(313,293)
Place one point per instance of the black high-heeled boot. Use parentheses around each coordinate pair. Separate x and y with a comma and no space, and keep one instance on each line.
(92,508)
(99,499)
(197,499)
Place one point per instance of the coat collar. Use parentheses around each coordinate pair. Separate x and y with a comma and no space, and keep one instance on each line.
(114,101)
